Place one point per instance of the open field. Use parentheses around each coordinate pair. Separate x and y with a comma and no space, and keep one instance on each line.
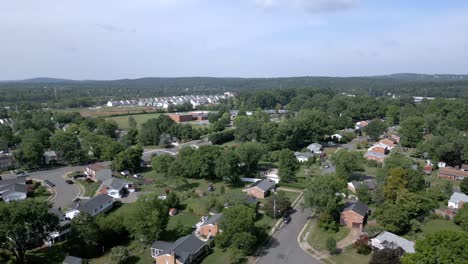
(122,121)
(107,111)
(349,256)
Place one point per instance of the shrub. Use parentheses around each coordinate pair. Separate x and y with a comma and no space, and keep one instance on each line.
(362,245)
(119,255)
(331,245)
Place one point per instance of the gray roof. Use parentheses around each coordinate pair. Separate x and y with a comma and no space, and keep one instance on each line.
(358,207)
(213,220)
(72,260)
(303,154)
(375,154)
(458,197)
(13,188)
(182,247)
(265,185)
(94,203)
(315,146)
(371,183)
(114,183)
(406,245)
(50,153)
(5,182)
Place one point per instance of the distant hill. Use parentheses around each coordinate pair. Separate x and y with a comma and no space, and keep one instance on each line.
(424,77)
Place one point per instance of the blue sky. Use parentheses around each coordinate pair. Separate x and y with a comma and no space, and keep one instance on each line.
(109,39)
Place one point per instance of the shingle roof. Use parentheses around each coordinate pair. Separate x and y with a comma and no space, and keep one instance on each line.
(182,247)
(458,197)
(72,260)
(406,245)
(50,153)
(94,203)
(213,220)
(358,207)
(265,185)
(5,182)
(374,154)
(371,183)
(114,183)
(453,172)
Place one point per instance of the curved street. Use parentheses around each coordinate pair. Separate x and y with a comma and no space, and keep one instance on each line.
(284,247)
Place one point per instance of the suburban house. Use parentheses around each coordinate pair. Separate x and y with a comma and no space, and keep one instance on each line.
(390,144)
(49,157)
(261,189)
(303,156)
(98,172)
(6,162)
(361,124)
(270,174)
(209,227)
(386,238)
(395,138)
(63,230)
(315,148)
(452,173)
(354,185)
(72,260)
(336,137)
(116,187)
(354,215)
(13,189)
(96,205)
(464,167)
(379,148)
(457,200)
(427,169)
(371,155)
(441,164)
(185,250)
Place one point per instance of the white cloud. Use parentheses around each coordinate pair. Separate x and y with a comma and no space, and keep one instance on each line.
(313,6)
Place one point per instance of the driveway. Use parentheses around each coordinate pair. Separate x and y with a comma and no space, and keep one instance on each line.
(64,193)
(284,247)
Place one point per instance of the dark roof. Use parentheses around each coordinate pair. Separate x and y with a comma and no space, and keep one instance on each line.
(358,207)
(72,260)
(114,183)
(249,199)
(265,185)
(213,220)
(182,247)
(371,183)
(94,203)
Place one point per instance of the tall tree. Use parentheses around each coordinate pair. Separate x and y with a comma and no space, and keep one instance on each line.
(288,166)
(132,123)
(148,219)
(85,236)
(67,147)
(412,131)
(347,162)
(25,225)
(161,163)
(129,159)
(375,128)
(250,154)
(228,167)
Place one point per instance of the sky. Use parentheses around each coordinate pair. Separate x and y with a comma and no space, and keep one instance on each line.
(113,39)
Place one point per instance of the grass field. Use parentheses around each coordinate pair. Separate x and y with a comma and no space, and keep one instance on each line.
(122,121)
(107,111)
(318,237)
(90,187)
(349,256)
(41,194)
(432,226)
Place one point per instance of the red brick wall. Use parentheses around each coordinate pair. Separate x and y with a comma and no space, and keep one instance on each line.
(349,217)
(256,192)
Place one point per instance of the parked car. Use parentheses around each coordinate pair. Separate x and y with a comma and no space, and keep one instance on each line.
(286,219)
(137,176)
(49,183)
(70,181)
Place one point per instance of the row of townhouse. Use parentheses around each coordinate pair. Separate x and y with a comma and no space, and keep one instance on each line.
(165,102)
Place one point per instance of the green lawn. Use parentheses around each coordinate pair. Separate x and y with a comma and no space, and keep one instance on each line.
(216,257)
(122,121)
(349,256)
(139,254)
(432,226)
(291,195)
(318,237)
(90,187)
(41,194)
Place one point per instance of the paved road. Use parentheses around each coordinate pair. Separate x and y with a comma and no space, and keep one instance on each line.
(284,247)
(64,193)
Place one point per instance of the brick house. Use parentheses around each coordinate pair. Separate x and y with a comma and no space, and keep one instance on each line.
(452,173)
(354,215)
(98,172)
(395,139)
(261,189)
(388,142)
(185,250)
(372,155)
(210,227)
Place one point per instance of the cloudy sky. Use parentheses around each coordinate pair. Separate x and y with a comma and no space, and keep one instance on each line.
(109,39)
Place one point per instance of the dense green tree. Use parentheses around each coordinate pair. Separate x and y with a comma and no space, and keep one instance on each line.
(119,255)
(364,194)
(282,203)
(132,123)
(288,166)
(151,130)
(67,146)
(347,162)
(461,218)
(238,225)
(172,200)
(161,163)
(398,161)
(204,162)
(149,218)
(247,128)
(107,128)
(228,167)
(25,225)
(441,247)
(85,237)
(130,159)
(250,154)
(464,186)
(29,155)
(375,128)
(390,254)
(412,131)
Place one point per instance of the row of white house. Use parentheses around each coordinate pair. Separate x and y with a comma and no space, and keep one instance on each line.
(165,102)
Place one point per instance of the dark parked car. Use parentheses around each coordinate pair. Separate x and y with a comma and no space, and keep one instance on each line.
(286,219)
(70,181)
(49,183)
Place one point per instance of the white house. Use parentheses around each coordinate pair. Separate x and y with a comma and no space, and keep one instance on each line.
(441,164)
(303,156)
(96,205)
(387,237)
(116,187)
(13,189)
(457,200)
(315,148)
(49,156)
(337,137)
